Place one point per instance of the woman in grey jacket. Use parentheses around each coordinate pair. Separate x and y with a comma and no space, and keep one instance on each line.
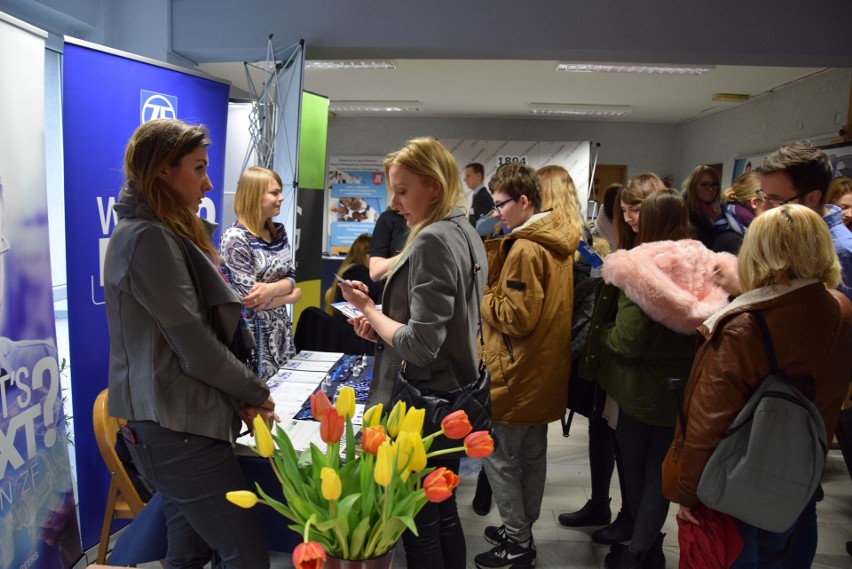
(171,316)
(429,315)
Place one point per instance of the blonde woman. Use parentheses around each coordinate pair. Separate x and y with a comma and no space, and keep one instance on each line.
(255,257)
(742,201)
(787,268)
(701,191)
(354,267)
(429,315)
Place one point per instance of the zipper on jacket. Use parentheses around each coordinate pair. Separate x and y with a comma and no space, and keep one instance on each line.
(508,344)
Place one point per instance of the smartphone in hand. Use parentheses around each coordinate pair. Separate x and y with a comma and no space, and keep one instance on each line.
(342,281)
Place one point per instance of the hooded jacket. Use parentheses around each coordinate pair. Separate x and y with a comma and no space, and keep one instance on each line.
(526,320)
(643,328)
(811,331)
(171,316)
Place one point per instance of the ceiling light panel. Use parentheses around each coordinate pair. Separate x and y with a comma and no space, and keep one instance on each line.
(352,64)
(648,69)
(375,106)
(545,109)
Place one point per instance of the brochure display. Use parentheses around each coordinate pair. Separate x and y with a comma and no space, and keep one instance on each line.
(106,96)
(38,521)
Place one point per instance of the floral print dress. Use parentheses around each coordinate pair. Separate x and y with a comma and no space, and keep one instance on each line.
(246,259)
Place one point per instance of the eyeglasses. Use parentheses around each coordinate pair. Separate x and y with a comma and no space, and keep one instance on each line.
(496,207)
(709,185)
(776,201)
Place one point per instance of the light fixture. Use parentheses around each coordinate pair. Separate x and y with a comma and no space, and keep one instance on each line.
(351,64)
(374,106)
(624,68)
(731,97)
(580,110)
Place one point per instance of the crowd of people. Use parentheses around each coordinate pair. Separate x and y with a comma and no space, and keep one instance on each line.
(682,275)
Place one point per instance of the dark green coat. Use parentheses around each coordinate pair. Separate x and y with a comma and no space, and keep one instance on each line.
(631,356)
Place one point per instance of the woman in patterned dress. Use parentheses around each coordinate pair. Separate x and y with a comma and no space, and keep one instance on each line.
(257,261)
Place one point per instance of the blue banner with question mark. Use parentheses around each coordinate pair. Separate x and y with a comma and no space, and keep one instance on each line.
(38,521)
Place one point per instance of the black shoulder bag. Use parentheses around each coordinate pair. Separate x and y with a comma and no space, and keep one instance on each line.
(473,398)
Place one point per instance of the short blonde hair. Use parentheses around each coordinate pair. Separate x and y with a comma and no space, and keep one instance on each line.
(786,243)
(250,191)
(559,193)
(744,188)
(430,160)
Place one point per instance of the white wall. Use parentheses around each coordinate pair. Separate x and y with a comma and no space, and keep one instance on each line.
(642,147)
(814,109)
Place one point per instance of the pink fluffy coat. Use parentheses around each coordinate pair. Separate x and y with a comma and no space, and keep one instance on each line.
(671,281)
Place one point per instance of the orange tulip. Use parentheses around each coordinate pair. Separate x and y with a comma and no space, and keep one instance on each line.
(439,485)
(319,405)
(331,426)
(309,555)
(372,437)
(456,425)
(478,444)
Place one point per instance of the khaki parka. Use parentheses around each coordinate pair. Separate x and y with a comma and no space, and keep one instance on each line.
(526,320)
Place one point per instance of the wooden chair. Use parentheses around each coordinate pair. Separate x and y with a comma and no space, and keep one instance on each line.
(123,501)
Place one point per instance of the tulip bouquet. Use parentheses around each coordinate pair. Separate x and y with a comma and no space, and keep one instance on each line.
(358,507)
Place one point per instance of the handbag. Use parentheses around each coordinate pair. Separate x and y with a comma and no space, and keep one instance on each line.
(474,398)
(244,345)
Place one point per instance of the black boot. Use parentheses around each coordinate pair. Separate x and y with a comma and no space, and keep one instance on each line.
(618,531)
(654,557)
(619,557)
(482,498)
(593,513)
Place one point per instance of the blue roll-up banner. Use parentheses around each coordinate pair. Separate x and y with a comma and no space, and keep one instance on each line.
(38,522)
(106,96)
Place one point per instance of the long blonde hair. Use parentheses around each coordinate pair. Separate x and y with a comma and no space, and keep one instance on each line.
(158,143)
(786,243)
(358,254)
(430,160)
(247,202)
(559,194)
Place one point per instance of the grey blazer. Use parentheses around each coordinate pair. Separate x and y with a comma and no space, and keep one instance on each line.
(171,316)
(431,292)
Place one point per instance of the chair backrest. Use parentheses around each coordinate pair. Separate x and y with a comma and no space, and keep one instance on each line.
(106,430)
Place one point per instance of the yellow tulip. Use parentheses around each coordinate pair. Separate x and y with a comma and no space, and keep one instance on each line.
(331,487)
(373,415)
(383,471)
(418,453)
(413,421)
(404,446)
(397,414)
(345,403)
(242,498)
(262,437)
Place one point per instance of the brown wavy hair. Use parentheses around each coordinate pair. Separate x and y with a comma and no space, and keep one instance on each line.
(153,145)
(634,192)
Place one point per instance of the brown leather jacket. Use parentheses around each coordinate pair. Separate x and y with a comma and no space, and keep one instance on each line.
(811,329)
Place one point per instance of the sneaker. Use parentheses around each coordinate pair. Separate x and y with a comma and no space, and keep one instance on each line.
(496,535)
(508,555)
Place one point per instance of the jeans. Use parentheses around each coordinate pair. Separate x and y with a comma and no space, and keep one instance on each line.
(192,474)
(791,549)
(441,543)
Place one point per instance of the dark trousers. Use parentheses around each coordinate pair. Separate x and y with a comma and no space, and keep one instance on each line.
(643,448)
(793,549)
(192,474)
(440,544)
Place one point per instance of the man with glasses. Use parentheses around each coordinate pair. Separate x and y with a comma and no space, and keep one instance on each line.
(800,174)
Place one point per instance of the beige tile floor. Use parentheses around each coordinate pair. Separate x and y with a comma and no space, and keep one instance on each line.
(568,488)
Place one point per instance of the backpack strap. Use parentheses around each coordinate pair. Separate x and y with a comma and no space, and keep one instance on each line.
(767,341)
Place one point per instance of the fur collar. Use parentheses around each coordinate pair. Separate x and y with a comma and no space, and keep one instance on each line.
(753,297)
(671,281)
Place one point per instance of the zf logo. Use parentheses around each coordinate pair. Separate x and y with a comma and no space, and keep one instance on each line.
(157,106)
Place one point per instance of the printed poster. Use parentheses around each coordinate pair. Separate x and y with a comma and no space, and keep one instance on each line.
(357,193)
